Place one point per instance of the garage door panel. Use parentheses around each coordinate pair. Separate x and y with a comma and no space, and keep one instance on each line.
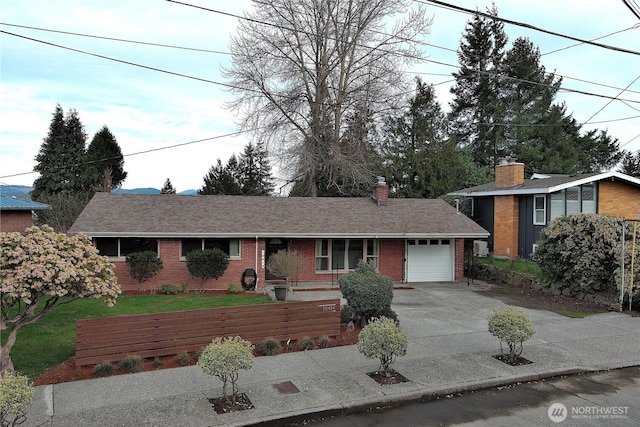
(429,263)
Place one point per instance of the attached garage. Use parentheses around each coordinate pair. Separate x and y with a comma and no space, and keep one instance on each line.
(430,260)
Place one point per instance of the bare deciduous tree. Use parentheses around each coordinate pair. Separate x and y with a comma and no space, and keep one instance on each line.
(304,71)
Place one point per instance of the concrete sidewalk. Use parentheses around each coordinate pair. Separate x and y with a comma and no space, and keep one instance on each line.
(450,351)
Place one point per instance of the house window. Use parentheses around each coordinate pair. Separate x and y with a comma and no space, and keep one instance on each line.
(557,205)
(230,247)
(539,210)
(120,247)
(588,199)
(344,254)
(581,199)
(572,196)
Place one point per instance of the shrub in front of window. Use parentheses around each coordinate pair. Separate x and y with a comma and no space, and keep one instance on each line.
(143,265)
(367,291)
(383,339)
(16,394)
(224,358)
(207,264)
(513,326)
(581,253)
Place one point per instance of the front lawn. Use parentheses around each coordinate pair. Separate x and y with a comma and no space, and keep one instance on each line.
(517,265)
(52,339)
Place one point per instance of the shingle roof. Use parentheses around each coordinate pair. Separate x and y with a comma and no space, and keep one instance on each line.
(13,203)
(167,215)
(545,185)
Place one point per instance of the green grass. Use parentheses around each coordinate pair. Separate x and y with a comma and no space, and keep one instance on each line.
(52,339)
(518,265)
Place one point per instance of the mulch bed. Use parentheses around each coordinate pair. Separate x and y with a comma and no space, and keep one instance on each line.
(222,406)
(518,361)
(394,378)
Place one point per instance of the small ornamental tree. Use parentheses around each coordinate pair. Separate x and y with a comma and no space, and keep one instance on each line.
(207,264)
(224,358)
(512,326)
(383,339)
(143,265)
(367,291)
(16,395)
(286,264)
(43,269)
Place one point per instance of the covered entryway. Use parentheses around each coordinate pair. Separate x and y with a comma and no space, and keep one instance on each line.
(430,260)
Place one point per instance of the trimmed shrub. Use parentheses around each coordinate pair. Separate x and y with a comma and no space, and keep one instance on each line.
(144,265)
(268,347)
(207,264)
(103,369)
(384,340)
(157,362)
(234,288)
(224,358)
(169,289)
(512,326)
(16,395)
(305,343)
(350,314)
(183,359)
(131,364)
(324,341)
(367,291)
(581,253)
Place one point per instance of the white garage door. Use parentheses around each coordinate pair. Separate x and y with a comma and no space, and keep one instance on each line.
(430,260)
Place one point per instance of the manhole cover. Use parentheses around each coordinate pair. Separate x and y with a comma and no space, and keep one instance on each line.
(286,387)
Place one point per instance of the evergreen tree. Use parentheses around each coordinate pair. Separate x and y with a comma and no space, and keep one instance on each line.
(476,111)
(255,171)
(221,180)
(167,188)
(630,164)
(61,159)
(105,161)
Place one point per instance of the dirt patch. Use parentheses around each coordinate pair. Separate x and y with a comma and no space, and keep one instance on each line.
(393,378)
(67,370)
(518,360)
(222,405)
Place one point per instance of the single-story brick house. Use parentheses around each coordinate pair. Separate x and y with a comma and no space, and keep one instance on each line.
(17,214)
(514,209)
(409,240)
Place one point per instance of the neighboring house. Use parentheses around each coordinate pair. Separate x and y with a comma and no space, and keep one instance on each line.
(17,214)
(410,240)
(515,210)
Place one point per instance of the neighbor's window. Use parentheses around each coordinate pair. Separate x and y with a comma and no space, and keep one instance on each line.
(539,210)
(588,198)
(572,196)
(120,247)
(344,254)
(230,247)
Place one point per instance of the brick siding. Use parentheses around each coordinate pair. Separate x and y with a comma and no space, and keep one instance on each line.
(15,221)
(505,242)
(618,199)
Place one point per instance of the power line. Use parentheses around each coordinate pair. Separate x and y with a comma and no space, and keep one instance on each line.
(524,25)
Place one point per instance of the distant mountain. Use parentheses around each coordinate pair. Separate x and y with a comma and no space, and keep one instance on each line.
(23,191)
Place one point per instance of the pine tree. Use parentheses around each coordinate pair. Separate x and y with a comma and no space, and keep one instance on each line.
(61,159)
(167,188)
(630,164)
(255,171)
(105,161)
(476,110)
(220,180)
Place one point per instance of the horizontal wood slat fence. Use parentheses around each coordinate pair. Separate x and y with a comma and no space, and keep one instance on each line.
(164,334)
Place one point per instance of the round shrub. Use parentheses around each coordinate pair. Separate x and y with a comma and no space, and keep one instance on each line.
(16,394)
(581,252)
(368,292)
(224,358)
(383,339)
(103,369)
(268,347)
(207,264)
(512,326)
(350,314)
(143,265)
(131,364)
(183,359)
(305,343)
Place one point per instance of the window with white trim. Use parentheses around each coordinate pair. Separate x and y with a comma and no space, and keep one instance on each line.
(230,247)
(539,209)
(120,247)
(345,254)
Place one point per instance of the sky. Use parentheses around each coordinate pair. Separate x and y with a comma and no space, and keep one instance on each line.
(171,126)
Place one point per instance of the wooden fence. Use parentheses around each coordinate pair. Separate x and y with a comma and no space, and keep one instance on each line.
(163,334)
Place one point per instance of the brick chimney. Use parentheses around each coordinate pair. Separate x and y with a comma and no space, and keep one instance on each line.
(509,173)
(381,191)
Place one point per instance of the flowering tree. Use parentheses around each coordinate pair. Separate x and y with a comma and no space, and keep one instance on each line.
(43,269)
